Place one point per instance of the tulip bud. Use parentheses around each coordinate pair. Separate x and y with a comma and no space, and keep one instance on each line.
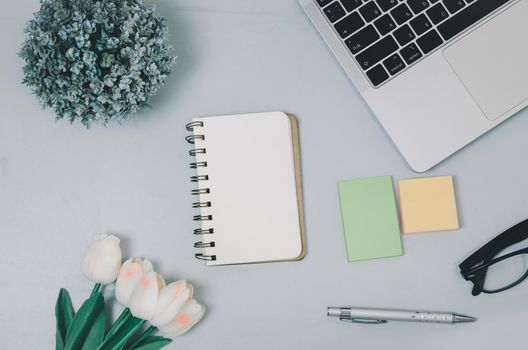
(189,315)
(144,298)
(102,262)
(132,271)
(170,302)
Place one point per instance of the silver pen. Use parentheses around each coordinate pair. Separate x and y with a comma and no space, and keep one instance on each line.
(379,316)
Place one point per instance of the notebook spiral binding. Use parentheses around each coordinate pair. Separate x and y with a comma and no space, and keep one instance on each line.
(196,192)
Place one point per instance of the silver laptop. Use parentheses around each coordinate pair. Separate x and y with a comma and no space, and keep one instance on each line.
(436,73)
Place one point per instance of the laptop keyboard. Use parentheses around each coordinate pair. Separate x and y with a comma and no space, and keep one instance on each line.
(387,36)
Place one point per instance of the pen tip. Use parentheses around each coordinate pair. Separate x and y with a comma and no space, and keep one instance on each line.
(463,318)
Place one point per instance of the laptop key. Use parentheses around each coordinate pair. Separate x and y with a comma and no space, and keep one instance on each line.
(455,5)
(411,53)
(370,11)
(362,39)
(334,11)
(349,24)
(437,13)
(386,5)
(377,52)
(394,64)
(404,35)
(418,6)
(401,14)
(351,5)
(468,16)
(377,75)
(429,41)
(323,3)
(385,24)
(420,24)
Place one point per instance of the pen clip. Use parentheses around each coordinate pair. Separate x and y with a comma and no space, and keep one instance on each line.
(361,320)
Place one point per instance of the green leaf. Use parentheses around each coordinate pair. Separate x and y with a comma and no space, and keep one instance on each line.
(139,340)
(121,337)
(121,320)
(152,343)
(83,322)
(95,336)
(64,314)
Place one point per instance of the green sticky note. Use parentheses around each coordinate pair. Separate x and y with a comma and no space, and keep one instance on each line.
(369,218)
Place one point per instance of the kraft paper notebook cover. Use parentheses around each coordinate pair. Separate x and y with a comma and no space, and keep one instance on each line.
(369,218)
(248,188)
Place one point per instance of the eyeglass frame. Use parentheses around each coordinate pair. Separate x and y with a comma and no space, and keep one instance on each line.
(475,267)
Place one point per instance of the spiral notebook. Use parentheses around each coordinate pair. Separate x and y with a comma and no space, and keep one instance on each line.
(248,188)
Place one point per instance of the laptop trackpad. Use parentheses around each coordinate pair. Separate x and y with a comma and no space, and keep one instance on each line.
(492,61)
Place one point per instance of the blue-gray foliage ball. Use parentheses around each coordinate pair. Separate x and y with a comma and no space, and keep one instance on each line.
(96,60)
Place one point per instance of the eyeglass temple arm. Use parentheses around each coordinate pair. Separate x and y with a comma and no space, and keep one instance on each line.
(509,237)
(487,263)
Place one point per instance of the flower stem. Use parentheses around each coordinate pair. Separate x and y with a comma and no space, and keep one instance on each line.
(143,336)
(118,340)
(125,315)
(95,289)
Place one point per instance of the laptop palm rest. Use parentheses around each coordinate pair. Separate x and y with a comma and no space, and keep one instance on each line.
(492,62)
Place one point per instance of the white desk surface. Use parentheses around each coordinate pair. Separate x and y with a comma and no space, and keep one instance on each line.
(60,184)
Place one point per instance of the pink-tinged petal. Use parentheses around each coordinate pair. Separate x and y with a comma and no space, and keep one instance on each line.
(131,273)
(190,314)
(145,282)
(171,300)
(144,298)
(183,320)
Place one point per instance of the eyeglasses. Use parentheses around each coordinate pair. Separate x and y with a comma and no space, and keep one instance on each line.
(497,266)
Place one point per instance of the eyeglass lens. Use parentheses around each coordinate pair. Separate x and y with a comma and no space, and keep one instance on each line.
(506,273)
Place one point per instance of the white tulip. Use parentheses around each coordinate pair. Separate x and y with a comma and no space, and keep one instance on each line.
(102,262)
(144,298)
(132,271)
(171,299)
(189,315)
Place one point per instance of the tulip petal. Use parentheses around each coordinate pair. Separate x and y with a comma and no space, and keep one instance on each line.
(129,276)
(103,259)
(171,300)
(190,314)
(107,259)
(88,257)
(144,299)
(147,266)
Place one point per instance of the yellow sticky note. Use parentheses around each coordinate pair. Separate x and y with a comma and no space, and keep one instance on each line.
(428,204)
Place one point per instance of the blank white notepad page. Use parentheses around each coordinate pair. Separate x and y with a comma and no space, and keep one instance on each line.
(252,184)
